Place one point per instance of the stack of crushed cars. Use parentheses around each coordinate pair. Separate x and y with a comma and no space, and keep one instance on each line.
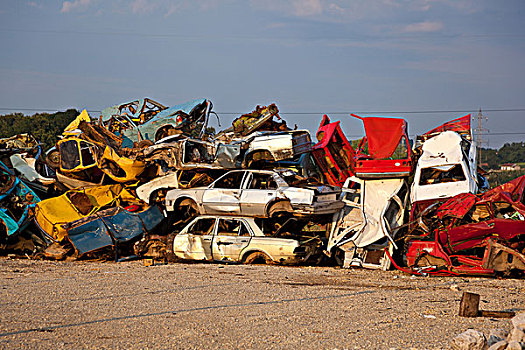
(146,180)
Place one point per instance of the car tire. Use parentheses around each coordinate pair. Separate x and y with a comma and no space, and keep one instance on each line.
(53,159)
(257,258)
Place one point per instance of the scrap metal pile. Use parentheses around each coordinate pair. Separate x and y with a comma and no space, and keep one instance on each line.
(145,180)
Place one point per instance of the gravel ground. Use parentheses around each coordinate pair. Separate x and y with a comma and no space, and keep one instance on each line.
(94,305)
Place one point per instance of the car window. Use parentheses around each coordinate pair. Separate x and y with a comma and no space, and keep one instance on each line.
(262,182)
(442,174)
(202,227)
(232,227)
(230,181)
(129,109)
(151,108)
(352,195)
(69,158)
(87,154)
(195,152)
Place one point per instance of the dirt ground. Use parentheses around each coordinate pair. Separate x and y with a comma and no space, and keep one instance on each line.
(95,305)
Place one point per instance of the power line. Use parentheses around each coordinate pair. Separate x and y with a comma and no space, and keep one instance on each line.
(312,113)
(245,37)
(401,112)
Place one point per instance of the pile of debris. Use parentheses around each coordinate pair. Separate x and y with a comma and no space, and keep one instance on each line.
(145,180)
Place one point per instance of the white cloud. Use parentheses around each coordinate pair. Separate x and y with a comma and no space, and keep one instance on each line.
(306,8)
(140,6)
(68,6)
(336,9)
(35,4)
(423,27)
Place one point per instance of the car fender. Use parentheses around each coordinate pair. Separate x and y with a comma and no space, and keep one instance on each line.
(248,250)
(285,203)
(173,197)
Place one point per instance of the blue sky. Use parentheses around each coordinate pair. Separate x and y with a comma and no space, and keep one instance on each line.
(309,56)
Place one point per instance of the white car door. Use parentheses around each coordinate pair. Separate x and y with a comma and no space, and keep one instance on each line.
(195,243)
(231,237)
(259,190)
(223,195)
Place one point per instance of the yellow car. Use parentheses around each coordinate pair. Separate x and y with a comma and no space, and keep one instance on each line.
(52,213)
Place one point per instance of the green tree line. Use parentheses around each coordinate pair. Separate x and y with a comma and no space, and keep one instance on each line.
(509,153)
(45,127)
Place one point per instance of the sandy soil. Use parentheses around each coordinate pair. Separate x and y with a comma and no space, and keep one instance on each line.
(94,305)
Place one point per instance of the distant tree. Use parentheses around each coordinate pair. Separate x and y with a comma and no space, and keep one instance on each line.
(508,153)
(45,127)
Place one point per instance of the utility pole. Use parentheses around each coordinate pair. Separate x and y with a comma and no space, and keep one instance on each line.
(479,134)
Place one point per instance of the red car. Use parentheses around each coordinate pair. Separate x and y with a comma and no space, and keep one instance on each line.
(471,234)
(333,153)
(384,152)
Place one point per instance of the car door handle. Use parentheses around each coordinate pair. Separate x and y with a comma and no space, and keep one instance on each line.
(244,241)
(224,243)
(207,239)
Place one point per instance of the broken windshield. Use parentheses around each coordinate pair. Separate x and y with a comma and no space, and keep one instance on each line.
(442,174)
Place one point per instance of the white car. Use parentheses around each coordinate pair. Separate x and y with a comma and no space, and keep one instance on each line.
(239,239)
(447,167)
(259,193)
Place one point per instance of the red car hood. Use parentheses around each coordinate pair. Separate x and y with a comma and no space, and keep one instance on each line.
(383,135)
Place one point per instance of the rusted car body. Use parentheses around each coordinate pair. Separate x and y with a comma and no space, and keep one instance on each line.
(146,119)
(258,193)
(240,239)
(184,153)
(262,118)
(275,146)
(16,203)
(92,154)
(366,226)
(471,234)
